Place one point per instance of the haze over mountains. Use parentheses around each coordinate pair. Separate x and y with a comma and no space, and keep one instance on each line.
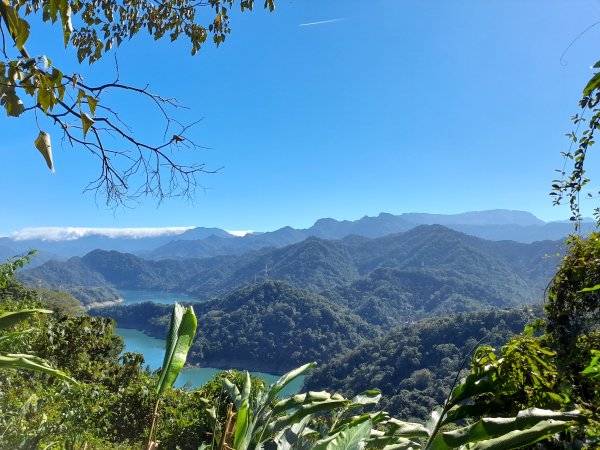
(202,242)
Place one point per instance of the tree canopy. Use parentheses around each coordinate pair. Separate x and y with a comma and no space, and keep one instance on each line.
(80,112)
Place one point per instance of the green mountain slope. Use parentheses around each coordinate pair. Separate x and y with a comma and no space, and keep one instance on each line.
(270,326)
(389,296)
(414,366)
(445,271)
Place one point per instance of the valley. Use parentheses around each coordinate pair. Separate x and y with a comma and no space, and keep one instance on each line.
(349,302)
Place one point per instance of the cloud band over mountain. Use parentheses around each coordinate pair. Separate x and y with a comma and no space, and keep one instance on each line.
(73,233)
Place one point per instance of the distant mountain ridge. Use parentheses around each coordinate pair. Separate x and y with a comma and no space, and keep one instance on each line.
(497,224)
(428,270)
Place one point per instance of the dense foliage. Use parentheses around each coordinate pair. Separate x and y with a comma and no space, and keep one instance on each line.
(573,309)
(111,406)
(415,366)
(77,279)
(270,327)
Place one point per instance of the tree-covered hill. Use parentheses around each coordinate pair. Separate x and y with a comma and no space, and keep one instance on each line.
(389,296)
(274,327)
(455,268)
(75,277)
(270,326)
(414,366)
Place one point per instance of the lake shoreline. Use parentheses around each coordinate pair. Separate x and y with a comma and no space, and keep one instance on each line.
(193,375)
(221,363)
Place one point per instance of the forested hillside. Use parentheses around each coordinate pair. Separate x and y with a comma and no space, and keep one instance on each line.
(270,327)
(492,273)
(415,366)
(274,327)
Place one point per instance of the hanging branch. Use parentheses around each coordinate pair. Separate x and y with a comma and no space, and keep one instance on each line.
(129,167)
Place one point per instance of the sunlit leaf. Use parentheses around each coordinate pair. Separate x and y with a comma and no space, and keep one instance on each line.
(86,122)
(42,143)
(10,319)
(182,330)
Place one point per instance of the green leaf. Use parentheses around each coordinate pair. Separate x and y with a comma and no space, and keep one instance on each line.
(282,382)
(369,397)
(593,368)
(12,102)
(592,84)
(17,27)
(65,17)
(473,384)
(92,102)
(10,319)
(43,144)
(182,330)
(243,427)
(29,362)
(233,392)
(407,429)
(86,122)
(23,33)
(591,289)
(434,418)
(487,428)
(302,406)
(521,438)
(352,438)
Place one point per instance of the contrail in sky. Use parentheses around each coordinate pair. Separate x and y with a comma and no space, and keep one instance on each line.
(310,24)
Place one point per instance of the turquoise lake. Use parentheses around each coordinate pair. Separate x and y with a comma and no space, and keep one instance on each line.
(153,349)
(167,298)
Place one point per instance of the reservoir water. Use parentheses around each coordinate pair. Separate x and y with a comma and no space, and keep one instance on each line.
(168,298)
(153,350)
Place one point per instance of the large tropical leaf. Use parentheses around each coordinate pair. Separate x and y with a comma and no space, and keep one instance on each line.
(182,330)
(294,437)
(302,405)
(10,319)
(282,382)
(351,438)
(244,425)
(407,429)
(520,438)
(30,362)
(375,418)
(495,427)
(474,384)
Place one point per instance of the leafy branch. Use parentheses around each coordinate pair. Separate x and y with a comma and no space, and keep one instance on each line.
(129,167)
(570,185)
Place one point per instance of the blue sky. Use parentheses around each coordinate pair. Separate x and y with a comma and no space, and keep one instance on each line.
(390,105)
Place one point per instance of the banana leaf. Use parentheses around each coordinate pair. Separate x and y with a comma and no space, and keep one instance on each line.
(182,330)
(10,319)
(30,362)
(351,438)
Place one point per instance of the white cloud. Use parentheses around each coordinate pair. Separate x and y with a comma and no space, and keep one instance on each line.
(73,233)
(321,22)
(240,233)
